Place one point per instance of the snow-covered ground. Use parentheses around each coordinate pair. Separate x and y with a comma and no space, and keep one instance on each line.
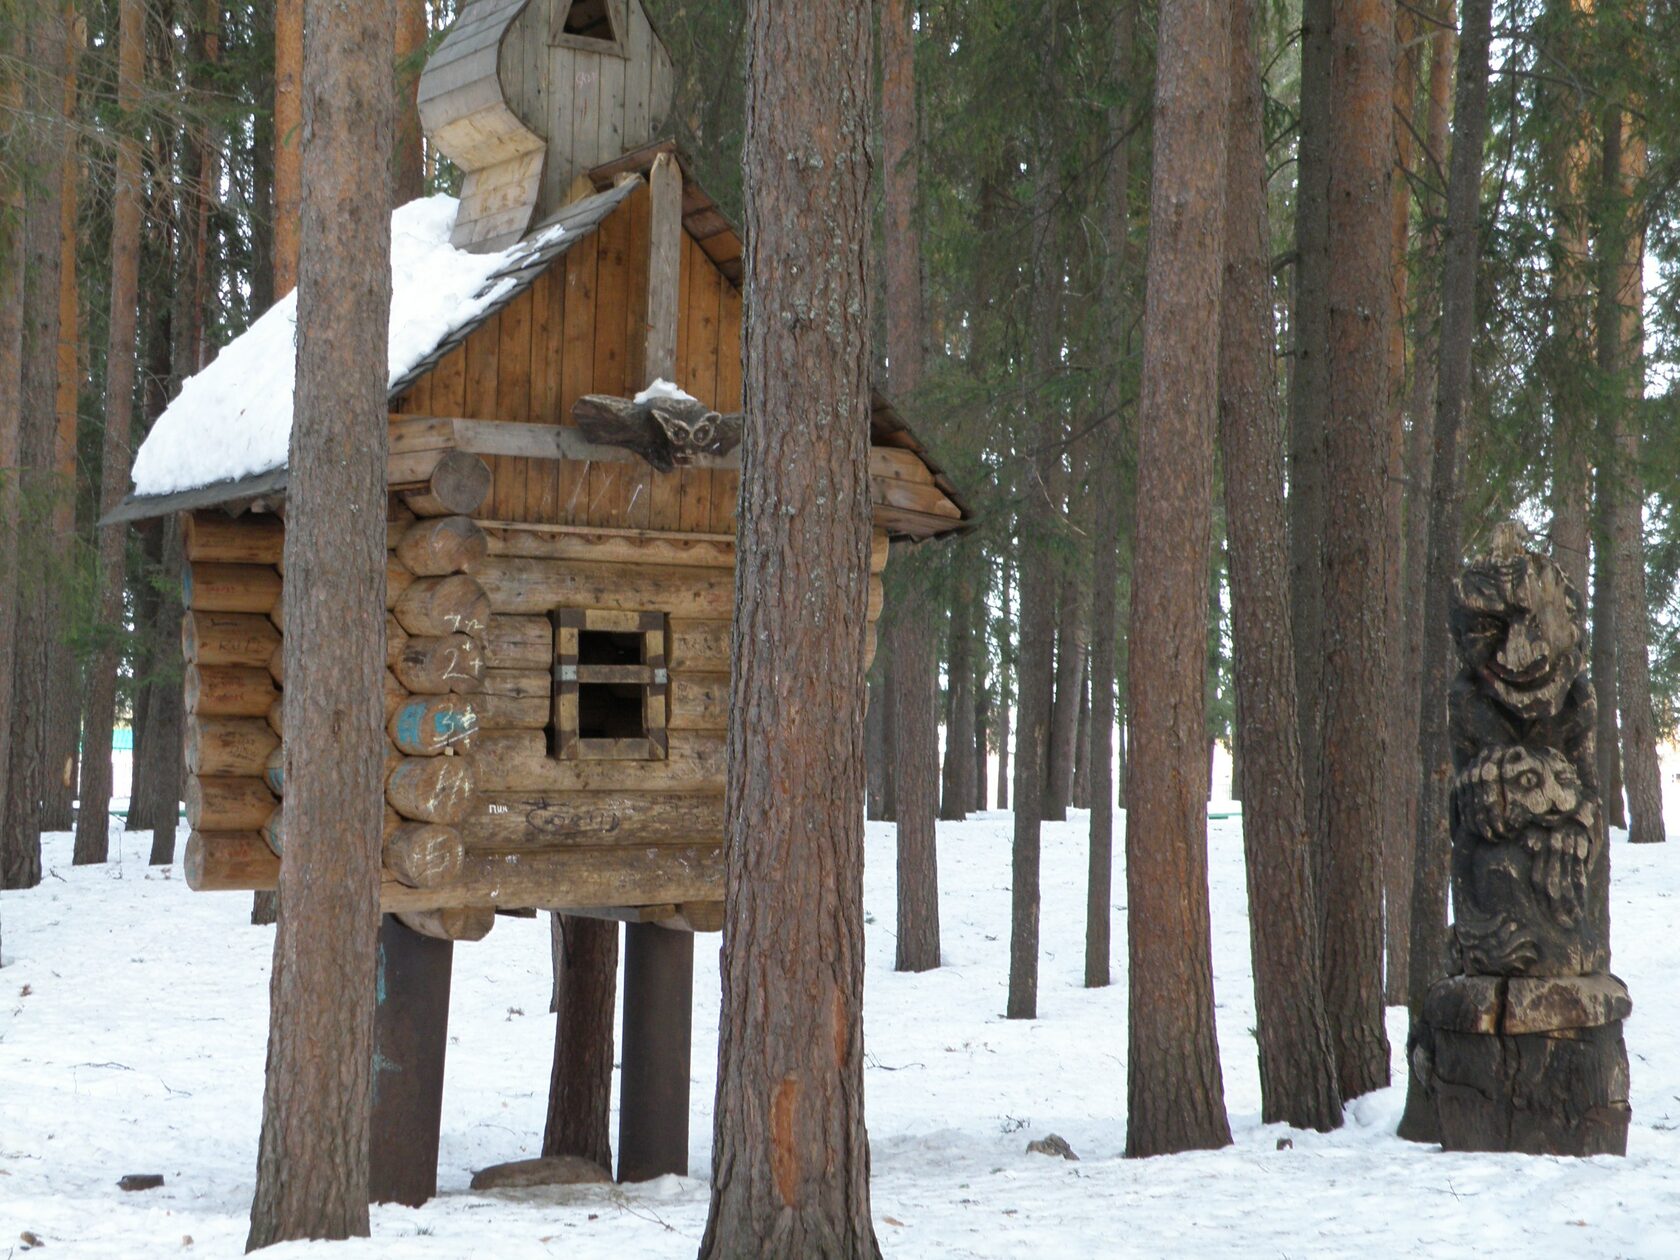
(132,1017)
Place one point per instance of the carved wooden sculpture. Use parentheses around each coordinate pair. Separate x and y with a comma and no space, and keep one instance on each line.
(1523,1049)
(665,431)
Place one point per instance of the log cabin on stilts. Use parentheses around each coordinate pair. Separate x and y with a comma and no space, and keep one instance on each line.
(564,395)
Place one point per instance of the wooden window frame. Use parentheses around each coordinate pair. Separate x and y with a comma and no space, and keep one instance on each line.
(611,45)
(653,675)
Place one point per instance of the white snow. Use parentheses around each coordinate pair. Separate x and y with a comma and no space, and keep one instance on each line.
(132,1040)
(234,419)
(662,388)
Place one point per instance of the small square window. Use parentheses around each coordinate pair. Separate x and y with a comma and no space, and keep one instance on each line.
(610,685)
(586,24)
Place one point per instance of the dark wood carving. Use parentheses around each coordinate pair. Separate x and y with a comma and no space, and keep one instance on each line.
(667,432)
(1523,1049)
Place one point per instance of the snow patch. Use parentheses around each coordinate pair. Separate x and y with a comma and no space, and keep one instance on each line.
(234,419)
(662,388)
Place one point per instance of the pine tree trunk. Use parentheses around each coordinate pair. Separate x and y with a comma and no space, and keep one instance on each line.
(1008,695)
(288,141)
(312,1161)
(1071,638)
(790,1155)
(65,720)
(914,655)
(586,995)
(875,734)
(12,265)
(1297,1065)
(91,829)
(163,769)
(1460,252)
(1403,768)
(1309,406)
(1604,672)
(263,152)
(1353,729)
(1081,798)
(1175,1097)
(43,141)
(1622,341)
(407,153)
(957,783)
(1419,477)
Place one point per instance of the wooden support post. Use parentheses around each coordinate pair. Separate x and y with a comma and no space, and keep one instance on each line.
(411,1032)
(664,264)
(658,1028)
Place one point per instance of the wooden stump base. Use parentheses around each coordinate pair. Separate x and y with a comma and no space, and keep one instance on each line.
(1535,1066)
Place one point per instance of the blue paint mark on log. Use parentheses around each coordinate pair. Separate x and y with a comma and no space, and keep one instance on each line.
(408,722)
(186,586)
(379,977)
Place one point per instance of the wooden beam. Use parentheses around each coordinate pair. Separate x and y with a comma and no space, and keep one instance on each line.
(664,259)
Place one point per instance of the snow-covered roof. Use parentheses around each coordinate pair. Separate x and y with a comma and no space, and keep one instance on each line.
(234,419)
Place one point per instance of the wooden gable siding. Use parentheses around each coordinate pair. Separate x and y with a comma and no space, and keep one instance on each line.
(580,329)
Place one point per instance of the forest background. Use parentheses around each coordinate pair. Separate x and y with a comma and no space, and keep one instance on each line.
(1020,149)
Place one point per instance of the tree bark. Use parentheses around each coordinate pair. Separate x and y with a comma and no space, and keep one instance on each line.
(288,141)
(1604,672)
(1460,253)
(1071,648)
(91,828)
(407,153)
(1353,728)
(790,1155)
(1081,798)
(312,1162)
(957,786)
(12,266)
(586,995)
(918,781)
(1419,477)
(1297,1065)
(1007,696)
(1309,404)
(43,137)
(162,772)
(1175,1096)
(1622,357)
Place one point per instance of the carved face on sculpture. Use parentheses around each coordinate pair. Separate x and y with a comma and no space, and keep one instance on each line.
(1517,623)
(1509,788)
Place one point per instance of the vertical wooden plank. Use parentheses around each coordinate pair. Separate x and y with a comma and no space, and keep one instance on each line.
(585,120)
(449,384)
(609,484)
(577,366)
(541,487)
(696,512)
(703,333)
(638,510)
(557,171)
(513,403)
(411,1035)
(610,139)
(666,242)
(726,486)
(483,348)
(638,47)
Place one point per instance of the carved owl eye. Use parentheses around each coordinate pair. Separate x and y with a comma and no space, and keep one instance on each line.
(1529,780)
(701,434)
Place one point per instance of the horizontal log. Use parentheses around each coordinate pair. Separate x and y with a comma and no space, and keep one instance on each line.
(277,664)
(698,645)
(228,691)
(457,485)
(699,702)
(515,699)
(396,639)
(432,789)
(398,579)
(519,642)
(425,855)
(438,606)
(519,585)
(274,831)
(277,715)
(396,695)
(425,726)
(277,614)
(624,546)
(212,537)
(443,545)
(274,770)
(229,588)
(224,803)
(557,879)
(434,666)
(393,820)
(512,820)
(238,747)
(913,497)
(460,923)
(228,639)
(230,861)
(518,761)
